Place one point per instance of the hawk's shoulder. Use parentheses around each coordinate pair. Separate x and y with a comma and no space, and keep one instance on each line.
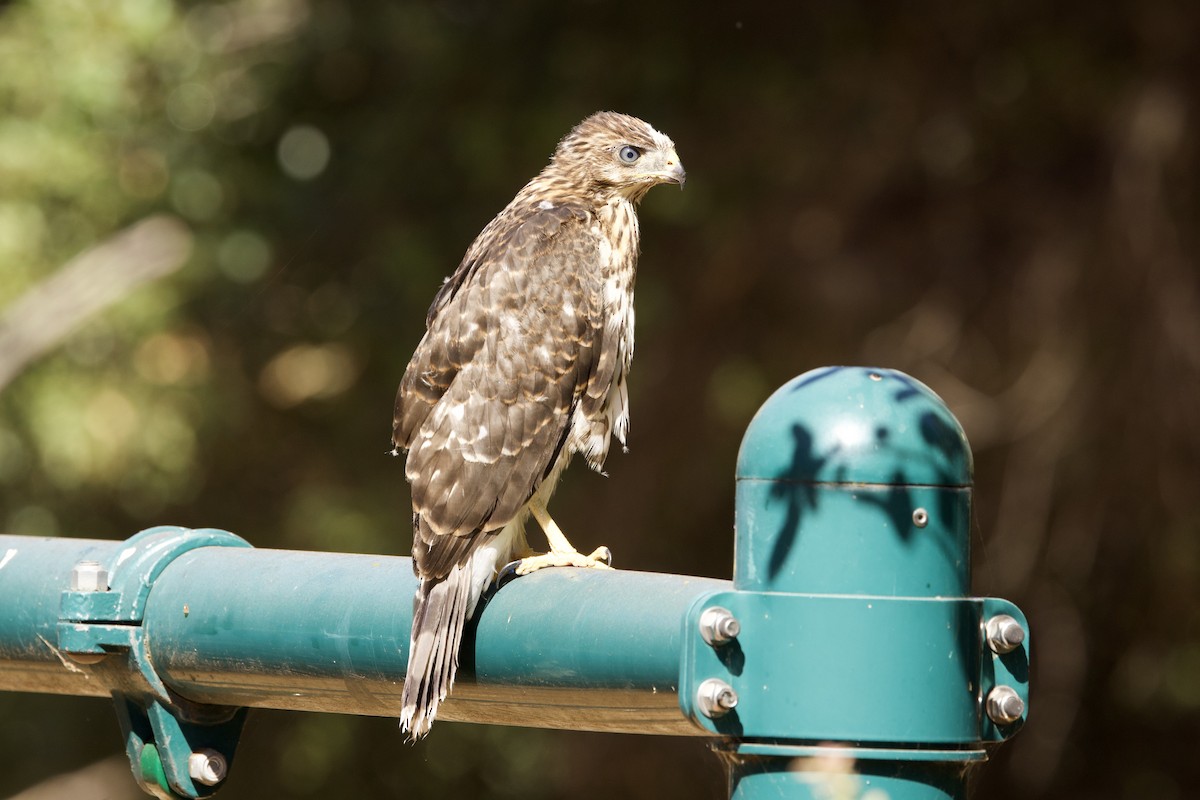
(520,227)
(526,260)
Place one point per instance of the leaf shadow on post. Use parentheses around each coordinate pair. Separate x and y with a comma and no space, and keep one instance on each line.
(938,461)
(795,486)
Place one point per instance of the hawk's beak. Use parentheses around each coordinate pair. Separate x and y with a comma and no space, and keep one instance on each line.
(674,172)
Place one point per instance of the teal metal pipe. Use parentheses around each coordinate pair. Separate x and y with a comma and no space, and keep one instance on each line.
(843,774)
(848,621)
(330,632)
(34,572)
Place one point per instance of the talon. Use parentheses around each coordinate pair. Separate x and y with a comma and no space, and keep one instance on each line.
(559,558)
(562,553)
(509,572)
(602,554)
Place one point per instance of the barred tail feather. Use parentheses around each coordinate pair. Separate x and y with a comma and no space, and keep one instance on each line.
(440,609)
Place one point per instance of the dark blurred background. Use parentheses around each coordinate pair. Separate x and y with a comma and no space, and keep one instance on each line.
(221,225)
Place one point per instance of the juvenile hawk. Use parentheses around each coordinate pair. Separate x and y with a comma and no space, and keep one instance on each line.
(523,364)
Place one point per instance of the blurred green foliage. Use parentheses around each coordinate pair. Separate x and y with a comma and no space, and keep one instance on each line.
(998,199)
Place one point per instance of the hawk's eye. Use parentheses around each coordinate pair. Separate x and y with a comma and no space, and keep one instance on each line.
(629,154)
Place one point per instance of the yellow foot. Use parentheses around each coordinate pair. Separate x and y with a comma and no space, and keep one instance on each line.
(562,553)
(600,558)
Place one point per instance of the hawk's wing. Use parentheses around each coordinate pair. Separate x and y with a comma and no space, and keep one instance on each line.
(486,403)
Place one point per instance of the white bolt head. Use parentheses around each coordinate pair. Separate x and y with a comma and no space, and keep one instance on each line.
(207,767)
(89,576)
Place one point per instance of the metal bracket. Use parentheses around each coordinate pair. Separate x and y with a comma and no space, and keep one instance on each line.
(887,674)
(1005,667)
(177,749)
(173,758)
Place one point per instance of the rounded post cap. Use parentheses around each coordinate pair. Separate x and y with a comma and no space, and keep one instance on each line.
(856,425)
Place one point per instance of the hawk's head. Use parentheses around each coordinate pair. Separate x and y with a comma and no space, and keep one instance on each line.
(618,153)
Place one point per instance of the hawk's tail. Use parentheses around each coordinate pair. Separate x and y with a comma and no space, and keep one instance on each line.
(441,607)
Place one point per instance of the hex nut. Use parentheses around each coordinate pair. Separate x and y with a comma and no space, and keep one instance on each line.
(715,698)
(1004,634)
(207,766)
(89,576)
(1004,705)
(718,626)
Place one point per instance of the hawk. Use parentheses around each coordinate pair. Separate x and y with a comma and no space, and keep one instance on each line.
(523,364)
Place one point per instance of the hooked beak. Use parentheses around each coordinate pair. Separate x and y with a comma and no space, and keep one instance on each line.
(668,168)
(674,172)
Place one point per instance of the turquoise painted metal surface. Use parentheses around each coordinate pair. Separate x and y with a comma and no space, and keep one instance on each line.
(831,471)
(841,773)
(851,582)
(342,616)
(856,425)
(848,620)
(1005,669)
(238,626)
(852,539)
(313,616)
(34,571)
(159,742)
(634,642)
(845,668)
(134,567)
(211,629)
(104,619)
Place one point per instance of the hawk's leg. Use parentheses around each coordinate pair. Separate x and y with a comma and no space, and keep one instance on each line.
(562,553)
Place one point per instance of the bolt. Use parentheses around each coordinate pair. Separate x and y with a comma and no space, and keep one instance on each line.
(716,698)
(1004,705)
(1004,634)
(207,767)
(719,626)
(920,518)
(89,576)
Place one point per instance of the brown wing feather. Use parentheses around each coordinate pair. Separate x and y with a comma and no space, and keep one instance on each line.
(488,395)
(476,255)
(605,363)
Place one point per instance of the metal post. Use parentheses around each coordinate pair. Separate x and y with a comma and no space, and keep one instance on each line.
(311,631)
(844,657)
(859,662)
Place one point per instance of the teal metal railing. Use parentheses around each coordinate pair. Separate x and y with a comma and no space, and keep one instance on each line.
(845,653)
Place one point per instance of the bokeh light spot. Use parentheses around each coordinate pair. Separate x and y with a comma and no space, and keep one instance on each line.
(143,173)
(197,195)
(303,152)
(244,256)
(191,107)
(170,358)
(308,372)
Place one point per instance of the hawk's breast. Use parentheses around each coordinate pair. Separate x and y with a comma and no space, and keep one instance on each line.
(616,233)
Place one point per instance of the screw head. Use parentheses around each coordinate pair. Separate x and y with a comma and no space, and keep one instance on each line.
(1004,634)
(1004,705)
(715,698)
(207,766)
(719,626)
(89,576)
(920,517)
